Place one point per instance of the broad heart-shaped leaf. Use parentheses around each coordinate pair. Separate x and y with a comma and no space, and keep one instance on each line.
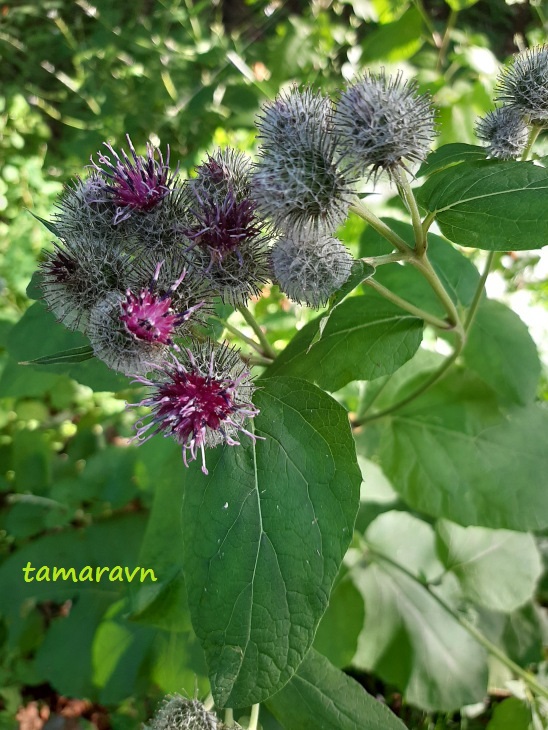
(457,273)
(497,569)
(360,272)
(264,536)
(37,335)
(500,350)
(449,155)
(497,206)
(454,453)
(321,696)
(408,638)
(365,337)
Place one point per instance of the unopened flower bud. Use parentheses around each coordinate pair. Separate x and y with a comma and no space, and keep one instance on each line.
(523,85)
(297,183)
(381,123)
(505,132)
(310,269)
(177,713)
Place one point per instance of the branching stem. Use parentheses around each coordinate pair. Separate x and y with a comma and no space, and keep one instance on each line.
(529,679)
(266,348)
(404,304)
(408,198)
(385,231)
(209,702)
(229,718)
(471,315)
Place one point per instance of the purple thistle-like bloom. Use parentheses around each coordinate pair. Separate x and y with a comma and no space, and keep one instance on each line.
(137,184)
(223,227)
(149,315)
(132,331)
(201,399)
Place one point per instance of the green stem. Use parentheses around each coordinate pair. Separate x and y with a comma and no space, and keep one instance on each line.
(209,702)
(404,304)
(447,37)
(229,718)
(385,231)
(471,315)
(267,348)
(408,198)
(257,360)
(533,134)
(363,410)
(427,270)
(235,331)
(388,258)
(254,719)
(426,385)
(427,222)
(428,23)
(529,679)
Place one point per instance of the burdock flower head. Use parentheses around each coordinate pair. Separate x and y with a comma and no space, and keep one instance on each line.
(505,132)
(310,269)
(228,245)
(131,331)
(77,275)
(297,183)
(136,183)
(200,398)
(382,123)
(523,86)
(225,171)
(84,208)
(178,713)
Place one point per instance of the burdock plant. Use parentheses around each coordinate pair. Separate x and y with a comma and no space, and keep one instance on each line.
(144,256)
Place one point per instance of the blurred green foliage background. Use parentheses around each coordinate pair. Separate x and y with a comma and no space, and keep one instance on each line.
(192,75)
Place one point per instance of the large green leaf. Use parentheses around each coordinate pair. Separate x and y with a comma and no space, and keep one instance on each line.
(321,696)
(162,604)
(497,569)
(454,453)
(408,638)
(264,535)
(497,206)
(502,352)
(365,337)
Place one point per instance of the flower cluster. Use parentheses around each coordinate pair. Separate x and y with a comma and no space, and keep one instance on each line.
(140,257)
(522,87)
(143,253)
(381,123)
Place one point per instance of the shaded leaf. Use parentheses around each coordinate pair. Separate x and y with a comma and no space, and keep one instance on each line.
(454,453)
(321,696)
(501,351)
(497,569)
